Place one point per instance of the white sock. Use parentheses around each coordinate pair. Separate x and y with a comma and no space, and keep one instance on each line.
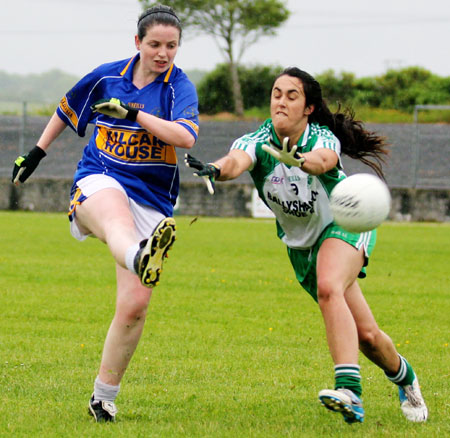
(130,255)
(105,392)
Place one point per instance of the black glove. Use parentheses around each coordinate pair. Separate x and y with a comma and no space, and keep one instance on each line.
(115,108)
(25,165)
(209,171)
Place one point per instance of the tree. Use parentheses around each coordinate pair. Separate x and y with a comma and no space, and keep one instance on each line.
(214,90)
(337,87)
(234,24)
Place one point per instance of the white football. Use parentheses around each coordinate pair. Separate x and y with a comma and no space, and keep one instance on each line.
(360,202)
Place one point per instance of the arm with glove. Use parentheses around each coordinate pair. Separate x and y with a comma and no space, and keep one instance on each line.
(286,154)
(26,164)
(316,162)
(209,171)
(115,108)
(168,131)
(226,168)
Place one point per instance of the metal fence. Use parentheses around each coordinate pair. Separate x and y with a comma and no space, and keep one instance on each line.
(419,152)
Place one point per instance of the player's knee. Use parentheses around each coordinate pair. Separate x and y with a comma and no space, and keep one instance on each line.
(368,338)
(326,291)
(134,308)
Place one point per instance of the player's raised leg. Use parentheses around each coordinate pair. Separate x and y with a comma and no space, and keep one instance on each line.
(150,257)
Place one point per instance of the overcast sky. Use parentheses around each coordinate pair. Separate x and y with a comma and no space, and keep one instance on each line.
(365,37)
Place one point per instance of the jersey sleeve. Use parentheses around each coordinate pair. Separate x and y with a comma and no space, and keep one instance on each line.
(185,106)
(247,144)
(325,139)
(251,142)
(74,108)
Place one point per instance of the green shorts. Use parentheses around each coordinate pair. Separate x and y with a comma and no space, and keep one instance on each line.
(304,260)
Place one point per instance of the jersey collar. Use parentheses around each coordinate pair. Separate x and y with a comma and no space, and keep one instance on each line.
(304,138)
(301,141)
(165,77)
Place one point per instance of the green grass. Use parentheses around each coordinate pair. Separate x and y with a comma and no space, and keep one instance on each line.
(233,347)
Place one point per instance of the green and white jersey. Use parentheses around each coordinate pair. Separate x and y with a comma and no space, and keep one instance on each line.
(299,201)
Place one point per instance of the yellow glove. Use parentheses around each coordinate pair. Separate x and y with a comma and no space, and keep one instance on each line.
(115,108)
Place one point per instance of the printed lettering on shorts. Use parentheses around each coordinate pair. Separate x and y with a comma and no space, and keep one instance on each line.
(358,240)
(339,233)
(137,147)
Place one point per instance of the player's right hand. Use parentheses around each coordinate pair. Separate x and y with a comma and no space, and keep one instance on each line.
(115,108)
(25,165)
(287,154)
(209,171)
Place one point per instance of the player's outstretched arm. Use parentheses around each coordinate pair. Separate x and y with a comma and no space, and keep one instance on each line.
(167,131)
(287,155)
(115,108)
(316,162)
(209,171)
(226,168)
(26,164)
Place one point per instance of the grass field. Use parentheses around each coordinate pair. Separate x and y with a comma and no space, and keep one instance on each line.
(233,347)
(368,114)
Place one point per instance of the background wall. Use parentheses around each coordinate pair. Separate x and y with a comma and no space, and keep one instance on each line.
(417,171)
(231,199)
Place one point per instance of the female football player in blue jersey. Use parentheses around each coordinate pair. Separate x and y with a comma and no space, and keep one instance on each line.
(294,161)
(127,180)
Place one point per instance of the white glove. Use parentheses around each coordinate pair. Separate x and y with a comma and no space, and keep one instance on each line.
(286,156)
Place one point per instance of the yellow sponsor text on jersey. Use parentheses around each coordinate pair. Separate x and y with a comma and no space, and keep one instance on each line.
(69,112)
(134,146)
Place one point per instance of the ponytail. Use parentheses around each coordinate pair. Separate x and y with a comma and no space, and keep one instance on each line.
(356,142)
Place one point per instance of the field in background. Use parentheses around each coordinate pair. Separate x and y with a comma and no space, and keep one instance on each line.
(366,114)
(233,347)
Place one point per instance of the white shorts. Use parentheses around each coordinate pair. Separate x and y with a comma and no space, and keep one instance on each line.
(145,218)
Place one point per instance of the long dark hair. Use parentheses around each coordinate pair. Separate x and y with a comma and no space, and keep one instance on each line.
(158,14)
(356,141)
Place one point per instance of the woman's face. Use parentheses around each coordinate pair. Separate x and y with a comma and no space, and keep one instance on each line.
(287,107)
(158,48)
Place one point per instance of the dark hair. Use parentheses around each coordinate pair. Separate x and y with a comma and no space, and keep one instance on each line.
(158,14)
(356,141)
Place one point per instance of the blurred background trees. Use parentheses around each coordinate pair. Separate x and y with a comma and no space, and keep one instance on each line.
(235,26)
(389,97)
(396,89)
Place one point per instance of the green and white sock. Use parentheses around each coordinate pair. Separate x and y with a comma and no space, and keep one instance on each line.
(405,374)
(347,376)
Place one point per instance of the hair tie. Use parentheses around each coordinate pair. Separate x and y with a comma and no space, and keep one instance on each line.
(150,11)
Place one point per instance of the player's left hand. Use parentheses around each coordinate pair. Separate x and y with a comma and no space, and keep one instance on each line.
(115,108)
(209,171)
(26,164)
(286,155)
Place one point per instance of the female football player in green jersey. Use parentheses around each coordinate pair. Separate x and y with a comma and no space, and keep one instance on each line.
(294,161)
(127,181)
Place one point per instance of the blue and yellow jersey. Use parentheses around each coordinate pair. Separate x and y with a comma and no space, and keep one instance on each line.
(144,165)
